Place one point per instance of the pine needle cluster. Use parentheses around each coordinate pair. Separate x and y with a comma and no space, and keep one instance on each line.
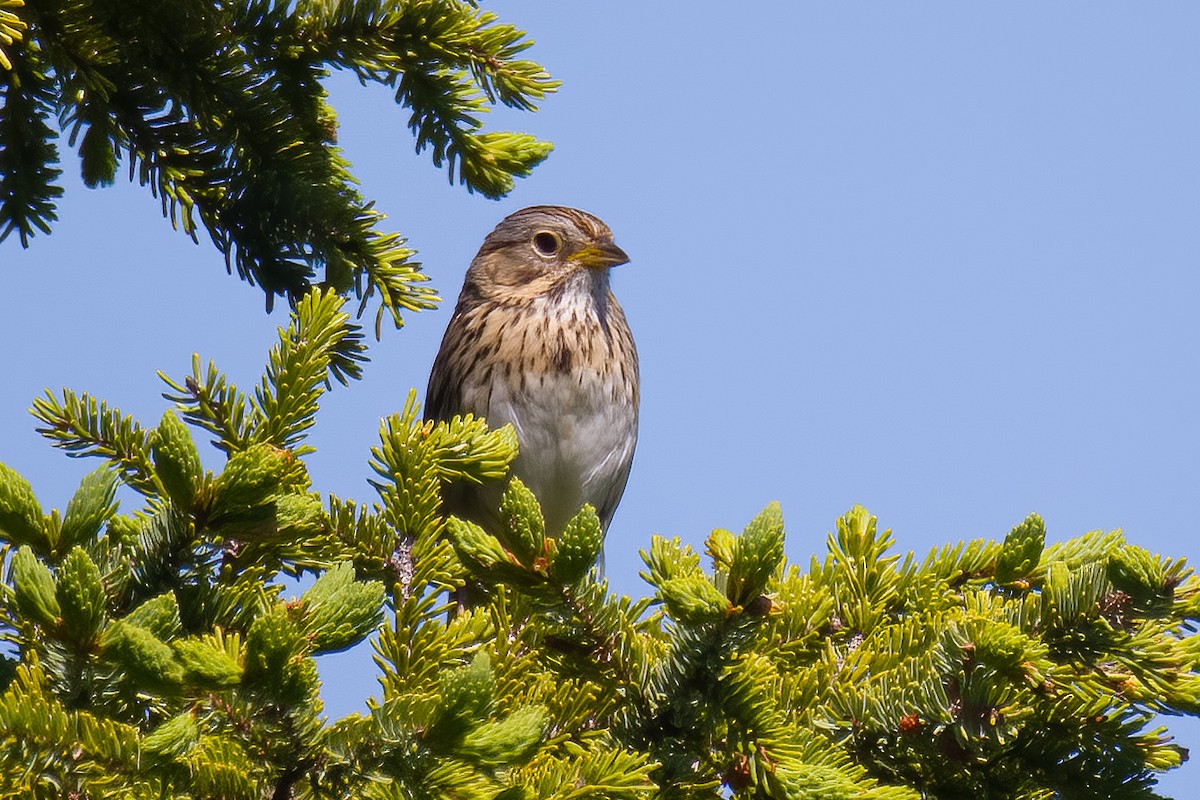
(219,109)
(153,654)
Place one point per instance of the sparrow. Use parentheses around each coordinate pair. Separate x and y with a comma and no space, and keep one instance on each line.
(538,341)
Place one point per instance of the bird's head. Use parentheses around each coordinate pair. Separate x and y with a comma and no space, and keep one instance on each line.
(544,249)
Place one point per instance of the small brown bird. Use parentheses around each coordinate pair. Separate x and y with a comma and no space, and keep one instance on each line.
(538,340)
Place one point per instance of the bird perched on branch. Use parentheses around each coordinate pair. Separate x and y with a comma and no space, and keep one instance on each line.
(539,341)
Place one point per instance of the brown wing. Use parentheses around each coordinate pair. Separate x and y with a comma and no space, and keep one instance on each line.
(443,395)
(455,359)
(456,363)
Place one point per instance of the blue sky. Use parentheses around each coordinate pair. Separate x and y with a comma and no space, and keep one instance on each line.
(939,259)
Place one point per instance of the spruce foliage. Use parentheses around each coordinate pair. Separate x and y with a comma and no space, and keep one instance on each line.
(152,653)
(218,108)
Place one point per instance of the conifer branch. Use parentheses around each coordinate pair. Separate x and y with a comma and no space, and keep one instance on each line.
(12,30)
(209,401)
(28,154)
(220,110)
(320,343)
(84,426)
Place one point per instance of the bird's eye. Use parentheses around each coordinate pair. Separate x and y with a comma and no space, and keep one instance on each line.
(546,243)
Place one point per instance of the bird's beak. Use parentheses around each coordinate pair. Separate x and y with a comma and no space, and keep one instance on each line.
(600,256)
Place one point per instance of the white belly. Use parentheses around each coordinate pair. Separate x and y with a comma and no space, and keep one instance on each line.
(577,434)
